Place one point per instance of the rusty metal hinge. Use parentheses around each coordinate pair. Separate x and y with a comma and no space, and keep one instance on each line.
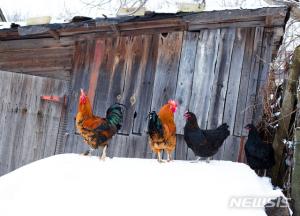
(56,99)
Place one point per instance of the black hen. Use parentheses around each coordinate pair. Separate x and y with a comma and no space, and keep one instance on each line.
(204,143)
(259,155)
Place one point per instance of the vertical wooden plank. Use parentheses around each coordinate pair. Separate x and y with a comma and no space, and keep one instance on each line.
(11,123)
(218,95)
(142,145)
(118,73)
(207,50)
(219,88)
(118,146)
(105,76)
(133,55)
(166,69)
(63,134)
(253,79)
(233,86)
(243,89)
(145,83)
(181,148)
(83,56)
(138,51)
(95,65)
(185,77)
(136,146)
(266,58)
(234,143)
(234,77)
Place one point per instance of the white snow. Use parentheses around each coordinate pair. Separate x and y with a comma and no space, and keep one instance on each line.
(60,10)
(71,184)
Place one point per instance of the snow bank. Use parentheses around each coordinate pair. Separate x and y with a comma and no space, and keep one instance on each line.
(71,184)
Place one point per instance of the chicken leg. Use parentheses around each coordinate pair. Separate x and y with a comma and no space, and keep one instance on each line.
(103,156)
(169,157)
(159,157)
(208,159)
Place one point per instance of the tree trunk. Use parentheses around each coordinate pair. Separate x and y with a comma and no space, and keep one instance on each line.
(296,175)
(288,107)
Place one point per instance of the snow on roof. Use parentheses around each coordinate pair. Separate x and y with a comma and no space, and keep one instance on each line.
(61,9)
(71,184)
(2,17)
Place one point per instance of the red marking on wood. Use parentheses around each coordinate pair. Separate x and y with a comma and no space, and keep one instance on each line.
(55,99)
(241,155)
(98,56)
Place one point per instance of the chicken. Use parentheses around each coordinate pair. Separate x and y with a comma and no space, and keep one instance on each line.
(260,156)
(162,130)
(204,143)
(97,131)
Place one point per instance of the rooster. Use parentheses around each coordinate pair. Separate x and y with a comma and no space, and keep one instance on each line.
(204,143)
(162,130)
(97,131)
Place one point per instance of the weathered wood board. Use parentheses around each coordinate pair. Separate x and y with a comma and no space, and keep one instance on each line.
(207,50)
(166,69)
(40,57)
(29,125)
(185,77)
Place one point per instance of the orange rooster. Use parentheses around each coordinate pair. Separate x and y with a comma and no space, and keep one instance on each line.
(97,131)
(162,130)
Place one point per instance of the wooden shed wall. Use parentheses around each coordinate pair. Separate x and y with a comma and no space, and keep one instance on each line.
(28,125)
(40,57)
(216,73)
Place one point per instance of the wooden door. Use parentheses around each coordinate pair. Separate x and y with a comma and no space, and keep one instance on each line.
(29,126)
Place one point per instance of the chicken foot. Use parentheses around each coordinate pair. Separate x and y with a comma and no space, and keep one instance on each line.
(196,160)
(88,152)
(200,158)
(169,157)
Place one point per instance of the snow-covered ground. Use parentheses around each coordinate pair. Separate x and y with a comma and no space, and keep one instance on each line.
(71,184)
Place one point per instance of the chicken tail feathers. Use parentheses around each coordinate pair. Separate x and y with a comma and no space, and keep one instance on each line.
(154,124)
(223,126)
(224,129)
(114,114)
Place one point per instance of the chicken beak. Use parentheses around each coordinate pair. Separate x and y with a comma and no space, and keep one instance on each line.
(186,115)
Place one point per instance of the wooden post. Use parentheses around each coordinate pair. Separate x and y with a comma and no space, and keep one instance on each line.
(288,106)
(296,174)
